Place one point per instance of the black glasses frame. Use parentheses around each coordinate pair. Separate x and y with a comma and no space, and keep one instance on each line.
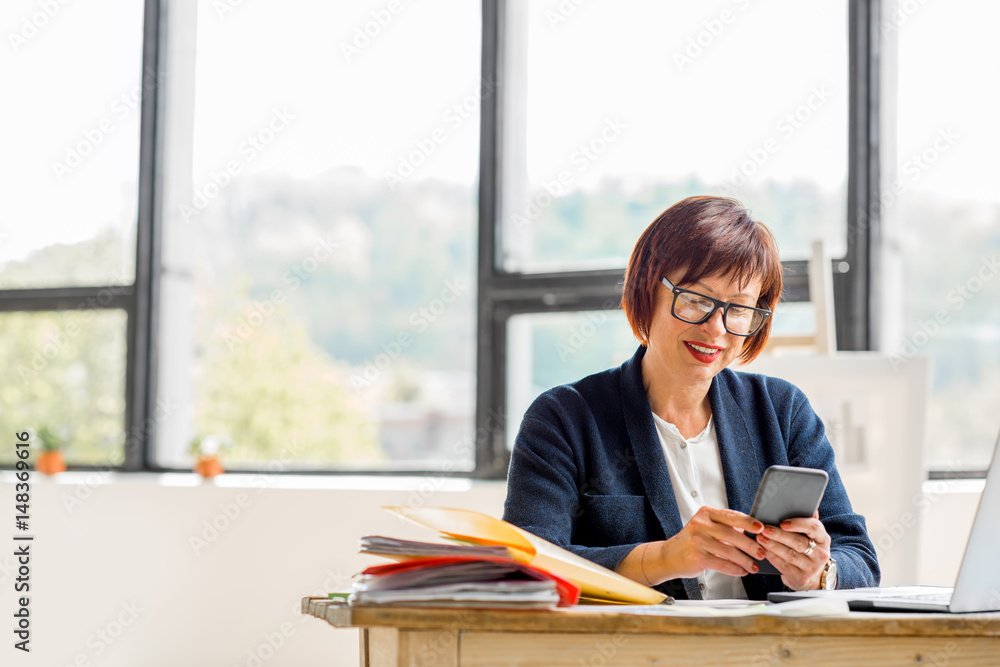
(725,305)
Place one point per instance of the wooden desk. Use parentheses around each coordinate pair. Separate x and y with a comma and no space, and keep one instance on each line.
(599,637)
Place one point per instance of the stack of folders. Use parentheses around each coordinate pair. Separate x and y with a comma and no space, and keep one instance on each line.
(462,581)
(486,562)
(397,549)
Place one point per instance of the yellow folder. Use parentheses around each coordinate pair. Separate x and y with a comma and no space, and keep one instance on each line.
(596,583)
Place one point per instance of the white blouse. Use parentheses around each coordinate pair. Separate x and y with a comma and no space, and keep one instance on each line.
(696,474)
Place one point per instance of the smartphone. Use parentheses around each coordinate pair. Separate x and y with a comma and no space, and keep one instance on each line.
(787,492)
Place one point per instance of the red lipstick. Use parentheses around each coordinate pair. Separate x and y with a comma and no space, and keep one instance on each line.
(701,356)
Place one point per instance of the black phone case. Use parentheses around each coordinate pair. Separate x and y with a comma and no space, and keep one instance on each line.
(787,492)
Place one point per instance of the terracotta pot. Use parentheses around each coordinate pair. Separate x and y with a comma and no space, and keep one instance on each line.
(208,466)
(50,462)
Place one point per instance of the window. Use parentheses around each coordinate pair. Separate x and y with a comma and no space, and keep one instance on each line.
(548,349)
(65,379)
(69,196)
(319,235)
(338,261)
(593,147)
(612,118)
(942,214)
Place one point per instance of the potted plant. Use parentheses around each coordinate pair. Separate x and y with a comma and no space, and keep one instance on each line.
(50,461)
(205,451)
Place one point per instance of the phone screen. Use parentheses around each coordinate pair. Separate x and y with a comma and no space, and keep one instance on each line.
(787,492)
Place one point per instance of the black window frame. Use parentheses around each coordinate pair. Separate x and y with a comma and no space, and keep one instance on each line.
(503,295)
(137,300)
(500,294)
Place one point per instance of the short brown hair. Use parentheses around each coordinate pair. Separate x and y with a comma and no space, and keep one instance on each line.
(704,236)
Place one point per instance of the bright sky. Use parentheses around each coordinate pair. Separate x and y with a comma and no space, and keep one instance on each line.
(62,76)
(608,59)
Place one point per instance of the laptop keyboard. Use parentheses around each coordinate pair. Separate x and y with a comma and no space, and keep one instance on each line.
(934,598)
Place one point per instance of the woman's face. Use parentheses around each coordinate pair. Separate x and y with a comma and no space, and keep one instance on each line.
(694,353)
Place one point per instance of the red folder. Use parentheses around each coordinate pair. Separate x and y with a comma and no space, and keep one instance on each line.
(569,593)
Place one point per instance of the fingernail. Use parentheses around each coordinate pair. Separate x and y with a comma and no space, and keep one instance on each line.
(763,540)
(768,530)
(758,526)
(761,553)
(756,569)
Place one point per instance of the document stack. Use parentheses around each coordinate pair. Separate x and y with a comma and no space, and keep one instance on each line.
(486,563)
(462,581)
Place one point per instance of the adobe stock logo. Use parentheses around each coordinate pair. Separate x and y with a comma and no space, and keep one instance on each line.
(787,126)
(253,144)
(420,320)
(363,35)
(124,105)
(425,146)
(562,13)
(586,154)
(33,24)
(962,293)
(712,29)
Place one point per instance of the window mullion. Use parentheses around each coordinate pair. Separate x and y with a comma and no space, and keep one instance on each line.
(140,361)
(853,293)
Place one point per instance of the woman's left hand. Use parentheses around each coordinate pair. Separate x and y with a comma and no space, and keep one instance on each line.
(786,548)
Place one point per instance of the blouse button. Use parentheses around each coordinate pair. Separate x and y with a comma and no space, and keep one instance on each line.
(684,445)
(694,494)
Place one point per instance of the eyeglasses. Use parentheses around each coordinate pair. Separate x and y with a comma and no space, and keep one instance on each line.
(695,308)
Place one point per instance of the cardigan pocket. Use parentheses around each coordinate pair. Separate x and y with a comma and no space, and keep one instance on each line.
(613,520)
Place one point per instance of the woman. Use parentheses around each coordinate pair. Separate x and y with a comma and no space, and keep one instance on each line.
(650,469)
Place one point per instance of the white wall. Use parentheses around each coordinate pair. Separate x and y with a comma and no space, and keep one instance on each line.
(874,409)
(128,542)
(946,522)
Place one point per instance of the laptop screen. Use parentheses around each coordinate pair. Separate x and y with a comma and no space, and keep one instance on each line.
(978,584)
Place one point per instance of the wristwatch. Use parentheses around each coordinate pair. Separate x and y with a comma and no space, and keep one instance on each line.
(828,577)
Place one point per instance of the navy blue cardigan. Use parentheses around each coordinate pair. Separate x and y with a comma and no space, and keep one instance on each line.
(588,472)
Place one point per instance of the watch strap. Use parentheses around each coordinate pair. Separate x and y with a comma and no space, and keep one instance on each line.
(830,565)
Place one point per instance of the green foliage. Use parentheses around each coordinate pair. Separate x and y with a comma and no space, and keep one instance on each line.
(951,294)
(63,376)
(276,395)
(600,228)
(396,254)
(208,445)
(284,392)
(106,259)
(50,440)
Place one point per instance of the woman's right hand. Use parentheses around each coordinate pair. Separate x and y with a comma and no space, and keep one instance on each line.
(714,539)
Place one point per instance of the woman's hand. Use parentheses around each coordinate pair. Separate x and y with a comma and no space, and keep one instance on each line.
(713,539)
(787,546)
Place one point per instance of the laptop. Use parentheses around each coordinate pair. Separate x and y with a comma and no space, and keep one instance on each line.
(977,588)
